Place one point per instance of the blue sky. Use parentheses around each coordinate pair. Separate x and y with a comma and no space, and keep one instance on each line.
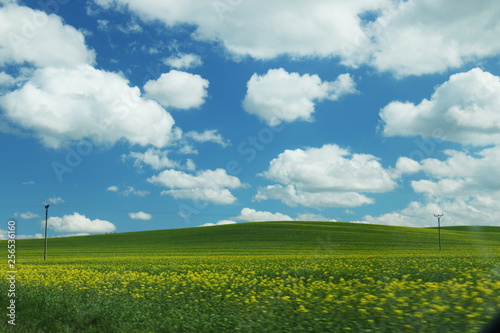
(126,115)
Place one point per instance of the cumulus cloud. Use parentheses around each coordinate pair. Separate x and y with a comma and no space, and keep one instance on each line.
(112,188)
(279,96)
(4,235)
(56,200)
(325,177)
(414,215)
(423,37)
(465,187)
(330,168)
(402,37)
(155,158)
(35,236)
(32,36)
(223,222)
(207,185)
(293,196)
(74,234)
(252,215)
(78,223)
(472,211)
(178,89)
(62,105)
(265,29)
(127,191)
(184,61)
(464,109)
(6,79)
(208,136)
(140,216)
(130,190)
(461,174)
(29,215)
(405,165)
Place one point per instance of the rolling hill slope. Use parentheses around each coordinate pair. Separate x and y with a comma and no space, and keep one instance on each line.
(266,238)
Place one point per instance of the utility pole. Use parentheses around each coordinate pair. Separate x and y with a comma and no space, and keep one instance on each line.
(439,228)
(46,218)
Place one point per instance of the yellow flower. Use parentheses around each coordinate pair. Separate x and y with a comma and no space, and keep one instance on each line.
(302,308)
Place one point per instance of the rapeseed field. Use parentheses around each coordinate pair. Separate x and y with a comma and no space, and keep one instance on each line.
(326,289)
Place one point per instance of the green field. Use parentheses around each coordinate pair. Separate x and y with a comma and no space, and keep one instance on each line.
(260,277)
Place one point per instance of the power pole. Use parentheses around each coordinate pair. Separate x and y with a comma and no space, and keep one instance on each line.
(46,218)
(439,228)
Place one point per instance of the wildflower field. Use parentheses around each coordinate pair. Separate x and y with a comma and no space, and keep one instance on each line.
(260,277)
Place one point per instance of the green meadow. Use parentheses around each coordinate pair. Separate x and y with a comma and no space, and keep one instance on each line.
(259,277)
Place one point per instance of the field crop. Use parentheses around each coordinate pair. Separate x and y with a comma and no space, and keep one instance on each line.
(325,282)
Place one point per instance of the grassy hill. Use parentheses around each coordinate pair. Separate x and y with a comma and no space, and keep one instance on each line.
(259,277)
(266,238)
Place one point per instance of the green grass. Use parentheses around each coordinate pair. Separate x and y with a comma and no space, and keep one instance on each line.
(260,277)
(264,238)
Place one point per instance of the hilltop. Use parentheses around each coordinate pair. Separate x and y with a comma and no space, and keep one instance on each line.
(289,237)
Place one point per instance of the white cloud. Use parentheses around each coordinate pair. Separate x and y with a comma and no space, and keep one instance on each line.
(130,190)
(207,185)
(184,61)
(423,37)
(5,235)
(77,223)
(325,177)
(223,222)
(403,37)
(292,196)
(30,182)
(74,234)
(112,188)
(330,168)
(103,25)
(456,212)
(465,187)
(343,85)
(187,149)
(208,136)
(252,215)
(131,27)
(56,200)
(219,196)
(35,236)
(462,175)
(155,158)
(266,29)
(279,96)
(405,165)
(190,165)
(28,215)
(32,36)
(313,217)
(464,109)
(177,89)
(140,216)
(62,105)
(6,79)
